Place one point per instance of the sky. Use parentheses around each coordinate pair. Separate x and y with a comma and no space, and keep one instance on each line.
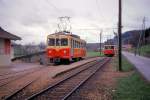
(33,20)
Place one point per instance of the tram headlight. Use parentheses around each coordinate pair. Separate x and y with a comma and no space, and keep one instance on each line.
(65,51)
(49,51)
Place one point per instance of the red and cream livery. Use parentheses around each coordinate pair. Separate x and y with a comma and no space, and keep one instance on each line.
(65,47)
(109,50)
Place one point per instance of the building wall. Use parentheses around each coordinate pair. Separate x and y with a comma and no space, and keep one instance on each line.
(1,45)
(12,52)
(5,58)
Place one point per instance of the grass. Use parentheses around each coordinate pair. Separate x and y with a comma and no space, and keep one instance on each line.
(126,66)
(144,50)
(93,53)
(132,87)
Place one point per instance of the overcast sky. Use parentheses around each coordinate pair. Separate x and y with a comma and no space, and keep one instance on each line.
(33,20)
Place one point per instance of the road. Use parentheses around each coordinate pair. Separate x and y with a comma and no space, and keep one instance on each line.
(141,63)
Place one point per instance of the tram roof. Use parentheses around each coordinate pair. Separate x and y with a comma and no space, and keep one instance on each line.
(66,33)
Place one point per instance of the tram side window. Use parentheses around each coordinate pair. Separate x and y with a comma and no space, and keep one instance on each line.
(51,42)
(58,42)
(71,43)
(75,44)
(79,45)
(64,42)
(84,45)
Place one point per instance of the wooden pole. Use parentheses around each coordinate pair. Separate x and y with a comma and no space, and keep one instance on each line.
(120,36)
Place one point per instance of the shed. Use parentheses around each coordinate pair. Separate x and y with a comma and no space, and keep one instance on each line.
(5,46)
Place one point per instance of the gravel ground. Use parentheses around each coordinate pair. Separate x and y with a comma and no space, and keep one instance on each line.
(16,67)
(45,79)
(101,86)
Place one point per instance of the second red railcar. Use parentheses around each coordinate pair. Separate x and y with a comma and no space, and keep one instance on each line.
(109,50)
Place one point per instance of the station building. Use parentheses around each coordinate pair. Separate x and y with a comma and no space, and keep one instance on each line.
(5,47)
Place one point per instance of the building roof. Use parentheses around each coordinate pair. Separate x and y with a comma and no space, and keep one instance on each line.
(6,35)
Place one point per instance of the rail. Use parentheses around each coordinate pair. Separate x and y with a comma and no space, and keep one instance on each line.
(65,80)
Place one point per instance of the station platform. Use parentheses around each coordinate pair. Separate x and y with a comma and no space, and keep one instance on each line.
(61,68)
(141,63)
(18,67)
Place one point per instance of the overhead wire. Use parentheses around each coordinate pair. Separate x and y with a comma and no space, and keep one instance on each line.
(99,9)
(58,10)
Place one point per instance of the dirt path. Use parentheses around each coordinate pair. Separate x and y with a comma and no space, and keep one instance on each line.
(101,86)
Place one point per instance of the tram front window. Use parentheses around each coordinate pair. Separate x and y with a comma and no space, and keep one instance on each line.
(112,47)
(51,42)
(64,42)
(106,47)
(58,42)
(109,47)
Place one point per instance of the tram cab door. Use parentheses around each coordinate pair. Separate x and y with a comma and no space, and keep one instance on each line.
(72,47)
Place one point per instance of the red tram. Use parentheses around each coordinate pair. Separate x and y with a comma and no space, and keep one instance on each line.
(109,50)
(63,46)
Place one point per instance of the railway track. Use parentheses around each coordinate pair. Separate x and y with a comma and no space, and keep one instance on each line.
(12,76)
(65,87)
(17,93)
(22,93)
(6,79)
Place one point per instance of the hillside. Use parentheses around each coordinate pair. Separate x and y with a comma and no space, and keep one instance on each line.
(132,37)
(93,46)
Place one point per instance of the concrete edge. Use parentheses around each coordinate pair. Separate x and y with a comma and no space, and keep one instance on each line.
(65,71)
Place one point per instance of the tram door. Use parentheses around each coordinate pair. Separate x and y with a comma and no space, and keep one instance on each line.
(72,47)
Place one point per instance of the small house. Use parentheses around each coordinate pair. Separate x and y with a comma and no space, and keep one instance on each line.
(5,46)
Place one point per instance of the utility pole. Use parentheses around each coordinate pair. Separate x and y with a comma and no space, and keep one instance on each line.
(100,45)
(119,34)
(144,20)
